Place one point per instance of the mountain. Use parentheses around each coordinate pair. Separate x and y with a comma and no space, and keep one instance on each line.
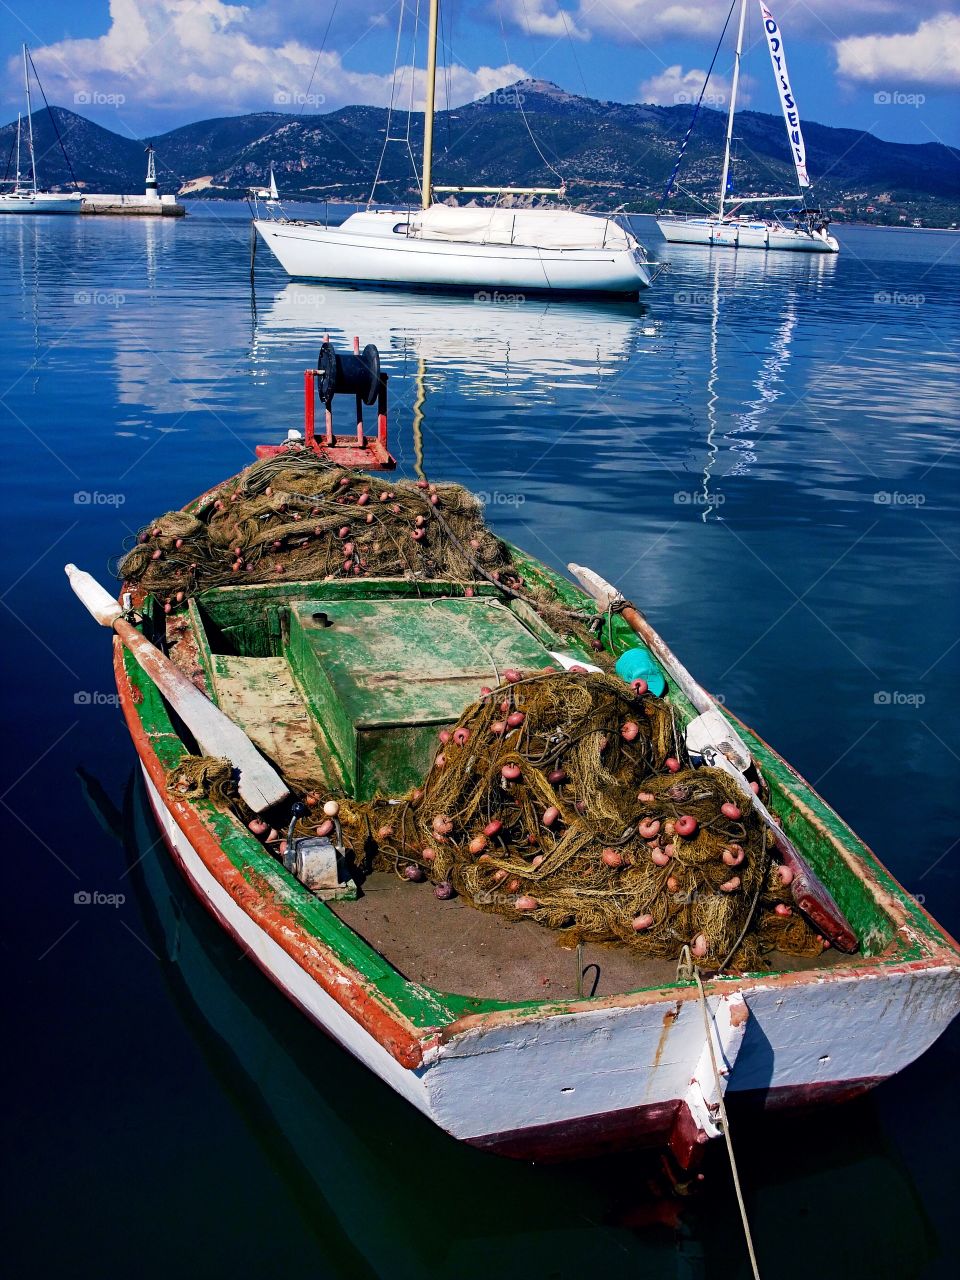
(612,155)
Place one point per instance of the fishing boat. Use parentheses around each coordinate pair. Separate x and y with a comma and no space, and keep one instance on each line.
(807,231)
(28,198)
(438,246)
(478,1019)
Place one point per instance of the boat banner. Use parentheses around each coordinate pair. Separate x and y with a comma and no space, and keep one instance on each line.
(787,100)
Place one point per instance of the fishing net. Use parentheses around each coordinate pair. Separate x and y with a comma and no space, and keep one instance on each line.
(297,517)
(564,799)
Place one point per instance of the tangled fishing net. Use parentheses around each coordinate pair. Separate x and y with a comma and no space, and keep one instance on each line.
(562,798)
(297,517)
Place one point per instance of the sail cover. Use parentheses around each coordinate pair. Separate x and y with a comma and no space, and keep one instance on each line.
(790,113)
(535,228)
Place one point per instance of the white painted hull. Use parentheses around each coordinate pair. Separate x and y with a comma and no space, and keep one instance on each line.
(311,251)
(42,202)
(733,235)
(630,1066)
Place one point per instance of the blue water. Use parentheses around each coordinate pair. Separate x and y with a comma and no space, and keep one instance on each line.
(762,454)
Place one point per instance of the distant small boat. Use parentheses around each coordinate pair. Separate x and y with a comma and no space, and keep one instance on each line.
(28,198)
(808,232)
(346,679)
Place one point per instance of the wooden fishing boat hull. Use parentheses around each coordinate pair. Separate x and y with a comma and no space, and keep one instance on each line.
(312,251)
(557,1079)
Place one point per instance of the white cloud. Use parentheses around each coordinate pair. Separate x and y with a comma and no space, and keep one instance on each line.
(647,22)
(930,56)
(542,18)
(673,86)
(191,55)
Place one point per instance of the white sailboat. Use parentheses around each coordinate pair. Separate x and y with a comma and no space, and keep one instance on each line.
(808,231)
(28,198)
(515,250)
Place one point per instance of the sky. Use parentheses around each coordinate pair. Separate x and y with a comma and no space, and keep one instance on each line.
(141,67)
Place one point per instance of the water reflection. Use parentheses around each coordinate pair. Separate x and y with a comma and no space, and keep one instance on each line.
(494,343)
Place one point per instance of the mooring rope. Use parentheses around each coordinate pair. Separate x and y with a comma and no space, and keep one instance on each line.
(687,969)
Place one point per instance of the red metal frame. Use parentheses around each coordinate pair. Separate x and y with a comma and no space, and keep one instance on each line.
(357,450)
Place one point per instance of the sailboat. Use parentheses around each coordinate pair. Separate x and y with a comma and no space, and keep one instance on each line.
(517,250)
(28,198)
(808,232)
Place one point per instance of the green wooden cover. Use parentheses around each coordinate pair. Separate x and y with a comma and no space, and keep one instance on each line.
(380,677)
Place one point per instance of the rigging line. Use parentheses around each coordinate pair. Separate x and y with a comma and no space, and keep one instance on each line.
(53,121)
(696,110)
(573,50)
(448,51)
(519,96)
(413,85)
(323,43)
(393,90)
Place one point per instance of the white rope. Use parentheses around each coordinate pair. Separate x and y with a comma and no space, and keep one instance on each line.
(687,969)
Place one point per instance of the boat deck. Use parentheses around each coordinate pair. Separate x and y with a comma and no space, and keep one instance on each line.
(480,953)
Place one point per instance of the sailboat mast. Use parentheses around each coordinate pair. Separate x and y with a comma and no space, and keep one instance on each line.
(33,161)
(17,183)
(427,193)
(733,107)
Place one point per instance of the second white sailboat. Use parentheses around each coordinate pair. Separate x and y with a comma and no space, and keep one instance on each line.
(808,231)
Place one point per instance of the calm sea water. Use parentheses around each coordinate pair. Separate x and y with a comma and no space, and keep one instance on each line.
(762,454)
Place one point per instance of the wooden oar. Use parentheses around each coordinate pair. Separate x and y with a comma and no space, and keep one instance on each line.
(809,892)
(217,735)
